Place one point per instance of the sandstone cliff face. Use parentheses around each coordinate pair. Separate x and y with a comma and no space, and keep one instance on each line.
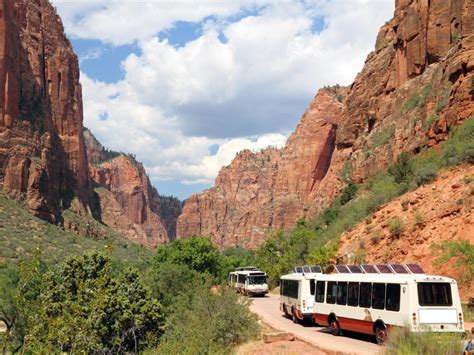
(271,189)
(415,85)
(42,153)
(127,202)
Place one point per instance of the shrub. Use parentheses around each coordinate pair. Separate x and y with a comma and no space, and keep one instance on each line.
(404,204)
(83,308)
(411,102)
(206,322)
(426,174)
(198,253)
(348,193)
(396,227)
(460,147)
(401,170)
(401,341)
(419,220)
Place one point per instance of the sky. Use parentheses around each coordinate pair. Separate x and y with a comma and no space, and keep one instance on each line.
(185,85)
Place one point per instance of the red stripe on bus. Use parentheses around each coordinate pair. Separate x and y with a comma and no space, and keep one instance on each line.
(355,325)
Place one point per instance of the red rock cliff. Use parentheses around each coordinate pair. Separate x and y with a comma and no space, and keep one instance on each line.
(42,152)
(415,85)
(128,202)
(267,190)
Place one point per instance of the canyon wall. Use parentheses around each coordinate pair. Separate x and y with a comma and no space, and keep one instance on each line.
(127,201)
(270,189)
(415,85)
(42,153)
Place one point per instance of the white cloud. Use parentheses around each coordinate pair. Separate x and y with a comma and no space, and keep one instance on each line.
(176,101)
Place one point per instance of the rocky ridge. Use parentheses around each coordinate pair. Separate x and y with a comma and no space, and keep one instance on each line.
(128,203)
(42,152)
(415,85)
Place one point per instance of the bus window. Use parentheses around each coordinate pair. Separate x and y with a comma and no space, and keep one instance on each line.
(320,286)
(342,293)
(378,296)
(434,294)
(311,287)
(332,292)
(282,287)
(353,294)
(365,294)
(392,300)
(241,279)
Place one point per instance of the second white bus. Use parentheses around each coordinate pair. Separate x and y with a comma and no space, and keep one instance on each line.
(297,293)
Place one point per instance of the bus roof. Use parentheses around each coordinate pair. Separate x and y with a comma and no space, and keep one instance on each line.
(384,278)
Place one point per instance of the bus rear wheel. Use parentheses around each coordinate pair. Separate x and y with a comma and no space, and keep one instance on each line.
(294,317)
(381,335)
(335,328)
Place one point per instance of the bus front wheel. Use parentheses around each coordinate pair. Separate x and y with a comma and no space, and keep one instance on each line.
(335,328)
(381,335)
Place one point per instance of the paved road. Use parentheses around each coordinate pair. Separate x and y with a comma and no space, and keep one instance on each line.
(267,308)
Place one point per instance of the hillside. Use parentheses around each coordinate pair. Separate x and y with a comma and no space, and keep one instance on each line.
(412,225)
(21,233)
(414,88)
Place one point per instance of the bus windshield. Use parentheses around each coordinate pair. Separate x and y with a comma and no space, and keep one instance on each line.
(257,280)
(434,294)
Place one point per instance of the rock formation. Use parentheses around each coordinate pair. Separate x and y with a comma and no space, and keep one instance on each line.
(128,203)
(271,189)
(42,153)
(416,84)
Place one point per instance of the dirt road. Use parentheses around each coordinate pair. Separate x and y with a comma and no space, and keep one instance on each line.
(267,308)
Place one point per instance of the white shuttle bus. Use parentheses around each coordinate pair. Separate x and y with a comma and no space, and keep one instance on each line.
(249,281)
(371,299)
(297,293)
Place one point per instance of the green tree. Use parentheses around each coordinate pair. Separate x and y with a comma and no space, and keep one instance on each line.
(85,309)
(197,253)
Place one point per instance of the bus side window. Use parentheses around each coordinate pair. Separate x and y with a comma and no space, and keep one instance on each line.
(353,294)
(331,292)
(342,293)
(392,301)
(311,287)
(378,296)
(320,286)
(365,294)
(282,287)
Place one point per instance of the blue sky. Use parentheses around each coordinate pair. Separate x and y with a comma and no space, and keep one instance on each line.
(185,85)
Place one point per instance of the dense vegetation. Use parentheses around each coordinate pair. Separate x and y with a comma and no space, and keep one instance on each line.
(91,304)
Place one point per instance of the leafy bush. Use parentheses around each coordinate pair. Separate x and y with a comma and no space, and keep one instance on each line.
(401,170)
(411,102)
(208,322)
(403,342)
(396,227)
(348,193)
(198,253)
(83,308)
(460,147)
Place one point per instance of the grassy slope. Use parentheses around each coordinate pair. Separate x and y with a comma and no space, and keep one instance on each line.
(21,233)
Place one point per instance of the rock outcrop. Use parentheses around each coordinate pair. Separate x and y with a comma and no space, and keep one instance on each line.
(270,189)
(42,152)
(127,201)
(415,85)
